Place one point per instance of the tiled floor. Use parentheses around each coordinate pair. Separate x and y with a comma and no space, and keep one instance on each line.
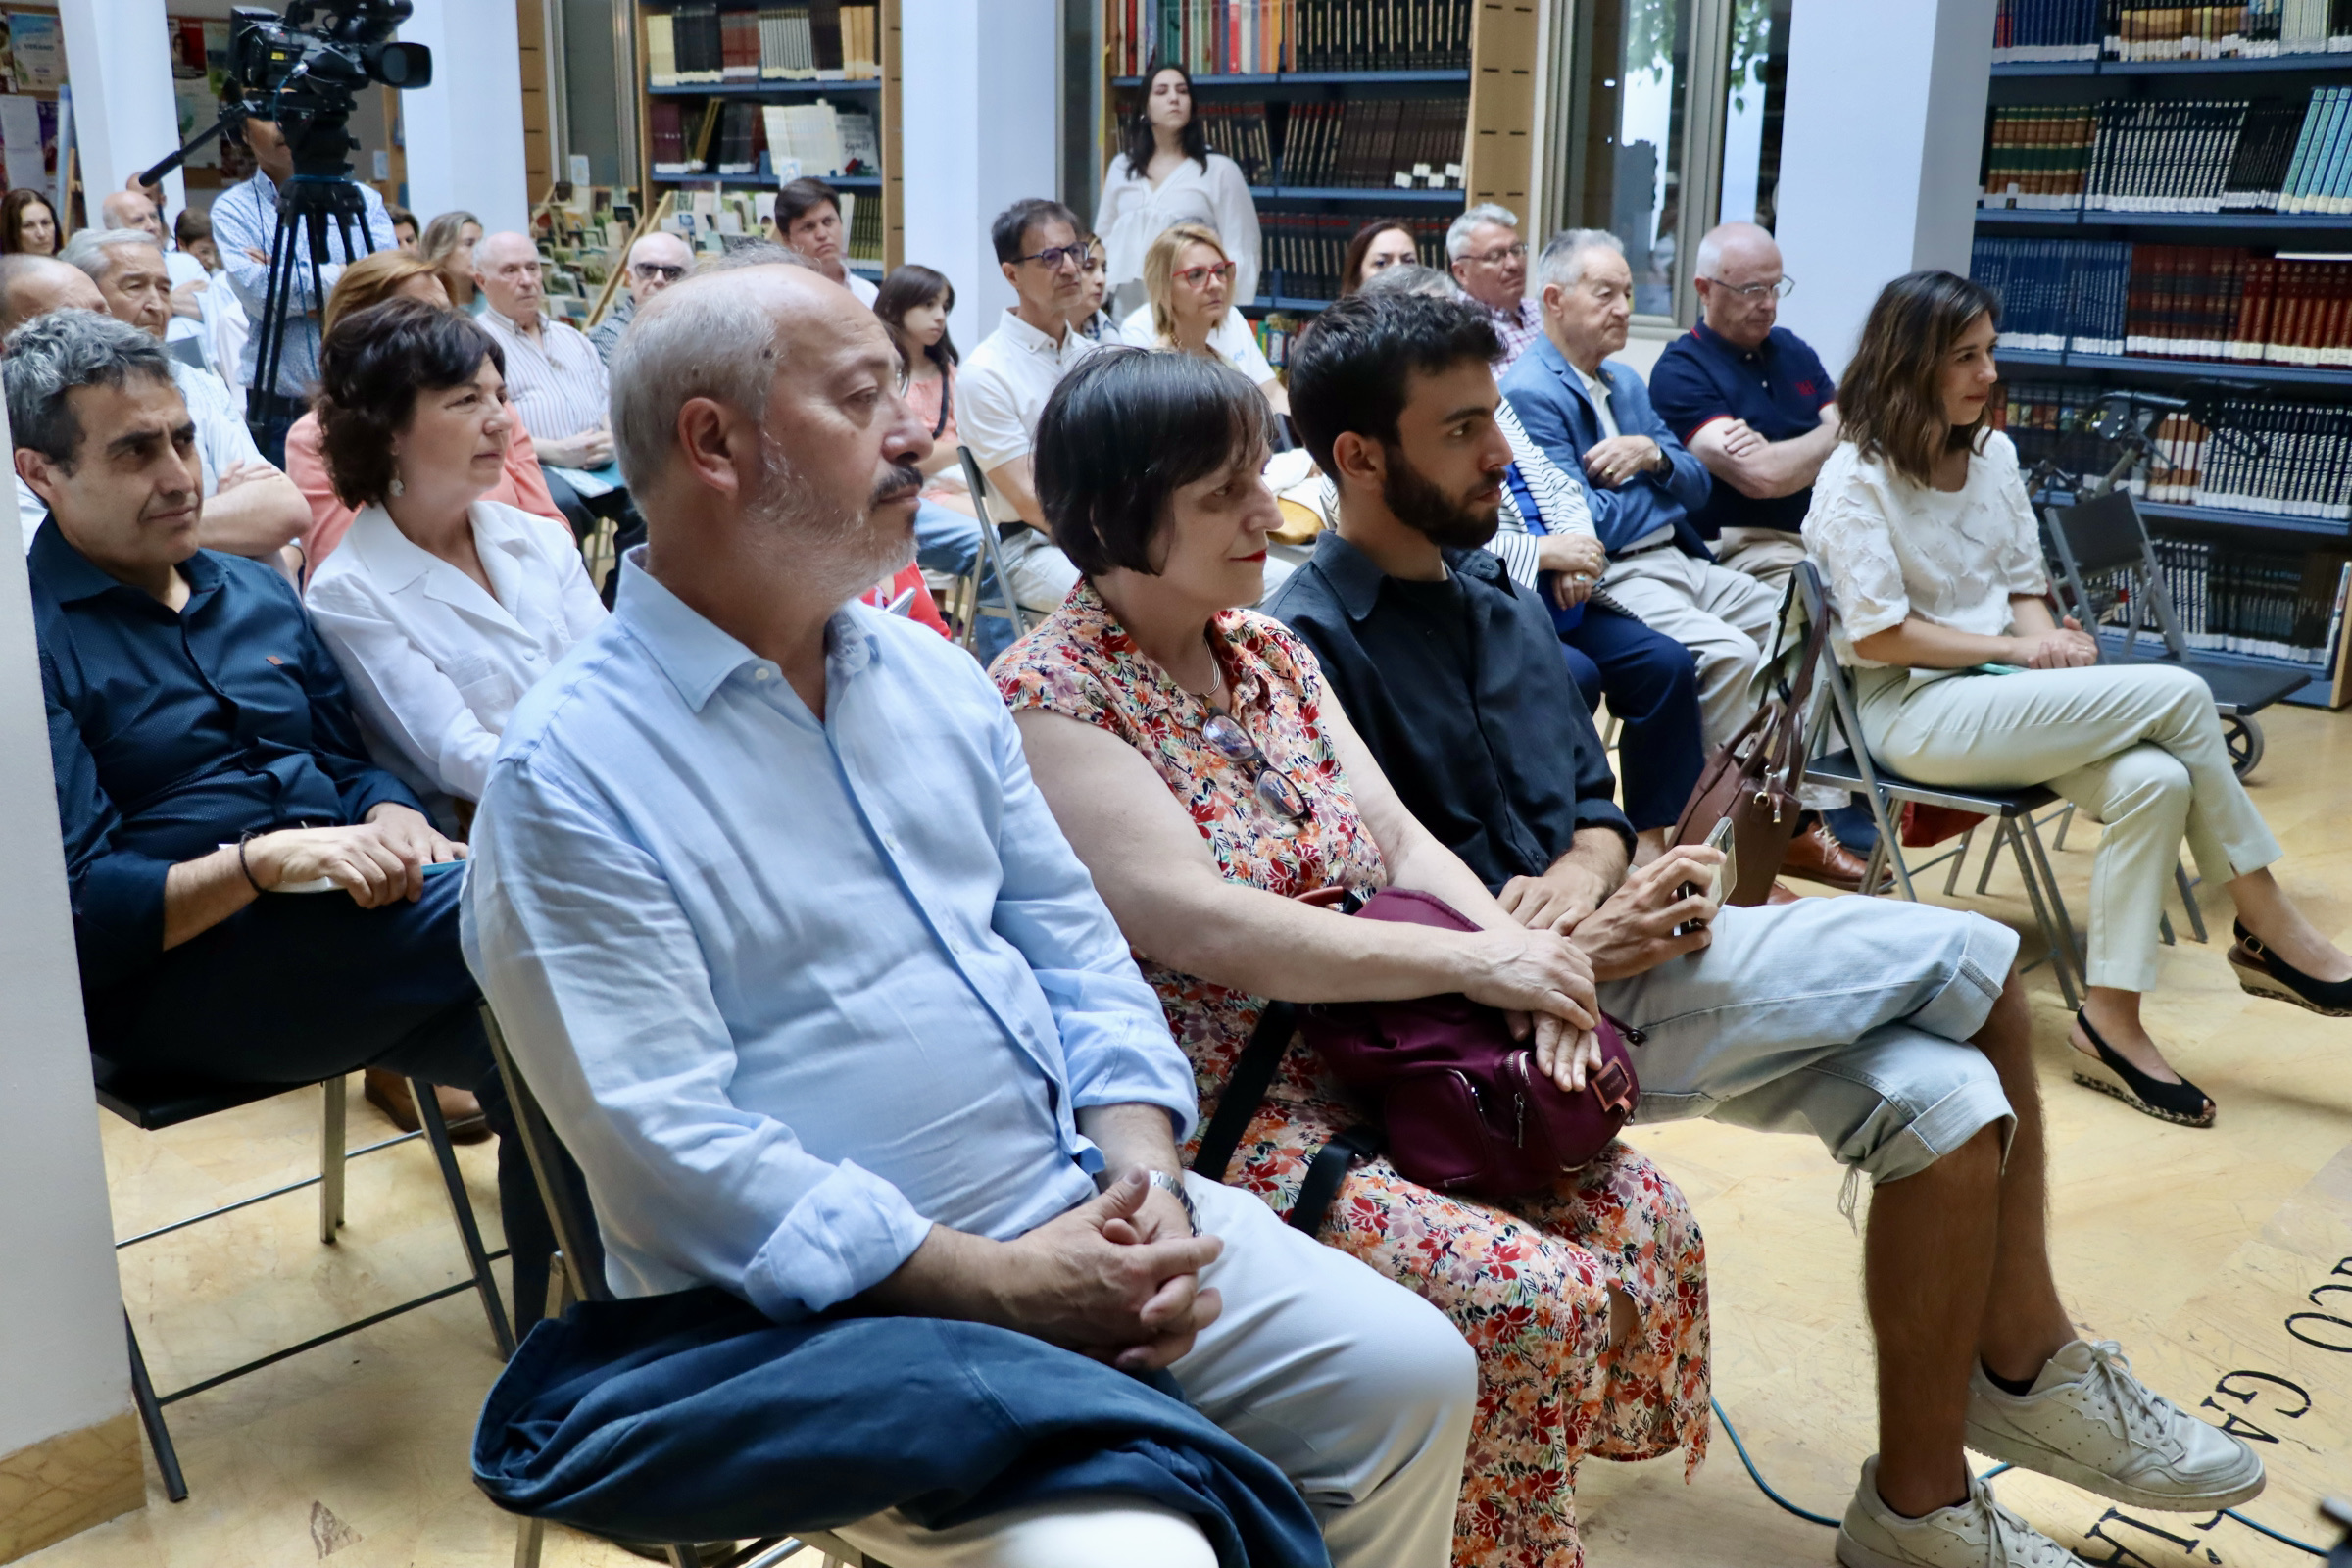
(2197,1249)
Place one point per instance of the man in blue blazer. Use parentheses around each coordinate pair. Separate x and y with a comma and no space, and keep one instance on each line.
(1594,415)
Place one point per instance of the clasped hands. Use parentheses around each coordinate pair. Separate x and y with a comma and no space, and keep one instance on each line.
(376,861)
(1576,562)
(2067,648)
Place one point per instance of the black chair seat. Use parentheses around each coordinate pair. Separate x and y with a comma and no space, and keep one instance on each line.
(1839,767)
(2236,688)
(154,1100)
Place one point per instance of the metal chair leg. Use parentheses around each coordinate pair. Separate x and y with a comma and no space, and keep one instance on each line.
(2049,881)
(2060,955)
(1951,879)
(436,1133)
(1992,854)
(151,1416)
(530,1536)
(331,1143)
(2066,820)
(2188,900)
(2164,929)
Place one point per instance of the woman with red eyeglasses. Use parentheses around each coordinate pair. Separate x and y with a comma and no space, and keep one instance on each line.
(1189,278)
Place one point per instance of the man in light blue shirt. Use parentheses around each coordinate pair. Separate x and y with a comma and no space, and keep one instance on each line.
(820,1000)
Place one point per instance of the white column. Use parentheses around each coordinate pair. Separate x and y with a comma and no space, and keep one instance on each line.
(62,1367)
(1879,154)
(979,135)
(465,132)
(119,60)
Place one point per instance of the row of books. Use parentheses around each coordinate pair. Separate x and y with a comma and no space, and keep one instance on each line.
(700,43)
(1300,254)
(1365,144)
(2198,302)
(1225,37)
(773,141)
(2273,603)
(863,223)
(2145,156)
(2254,454)
(2029,30)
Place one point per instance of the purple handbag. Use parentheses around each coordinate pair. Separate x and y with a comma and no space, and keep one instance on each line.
(1464,1107)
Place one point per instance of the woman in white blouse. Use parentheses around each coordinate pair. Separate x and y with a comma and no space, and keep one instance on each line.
(441,607)
(1188,277)
(1167,175)
(1922,527)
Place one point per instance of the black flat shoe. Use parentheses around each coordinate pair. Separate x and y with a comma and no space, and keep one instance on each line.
(2182,1102)
(2263,973)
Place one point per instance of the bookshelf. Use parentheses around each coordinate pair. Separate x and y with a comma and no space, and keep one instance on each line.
(2173,216)
(1326,104)
(735,95)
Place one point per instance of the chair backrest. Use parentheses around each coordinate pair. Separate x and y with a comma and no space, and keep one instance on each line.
(2105,535)
(573,1225)
(1811,599)
(991,555)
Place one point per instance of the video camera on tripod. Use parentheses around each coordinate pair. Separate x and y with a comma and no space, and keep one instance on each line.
(300,71)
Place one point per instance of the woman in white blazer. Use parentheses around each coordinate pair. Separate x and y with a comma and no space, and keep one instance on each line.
(441,607)
(1165,176)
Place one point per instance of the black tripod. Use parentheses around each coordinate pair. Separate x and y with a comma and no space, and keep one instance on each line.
(307,204)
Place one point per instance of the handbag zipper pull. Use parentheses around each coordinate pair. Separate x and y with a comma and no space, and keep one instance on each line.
(1519,1137)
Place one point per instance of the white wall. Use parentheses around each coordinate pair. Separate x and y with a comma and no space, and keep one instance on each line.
(62,1354)
(979,132)
(1879,153)
(119,62)
(466,130)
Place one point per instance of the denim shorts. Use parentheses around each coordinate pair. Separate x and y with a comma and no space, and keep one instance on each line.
(1848,1019)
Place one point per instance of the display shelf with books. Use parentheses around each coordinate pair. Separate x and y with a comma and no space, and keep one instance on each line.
(1337,112)
(2129,32)
(744,96)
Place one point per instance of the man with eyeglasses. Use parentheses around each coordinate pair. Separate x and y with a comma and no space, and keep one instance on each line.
(655,261)
(1002,387)
(1489,261)
(1752,402)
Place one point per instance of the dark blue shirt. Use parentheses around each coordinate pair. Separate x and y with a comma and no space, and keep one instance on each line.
(172,732)
(1459,690)
(1778,388)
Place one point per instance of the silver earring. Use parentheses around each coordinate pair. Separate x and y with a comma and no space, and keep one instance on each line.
(396,487)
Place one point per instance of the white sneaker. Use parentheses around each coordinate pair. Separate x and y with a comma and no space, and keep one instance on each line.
(1976,1533)
(2088,1421)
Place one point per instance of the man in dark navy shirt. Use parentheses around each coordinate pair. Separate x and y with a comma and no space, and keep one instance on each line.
(208,767)
(1752,402)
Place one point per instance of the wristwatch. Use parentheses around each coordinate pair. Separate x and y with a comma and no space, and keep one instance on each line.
(1171,1183)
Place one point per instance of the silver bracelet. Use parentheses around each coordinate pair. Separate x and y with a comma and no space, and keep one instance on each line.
(1168,1181)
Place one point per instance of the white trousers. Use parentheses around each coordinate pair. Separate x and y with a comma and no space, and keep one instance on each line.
(1042,575)
(2136,747)
(1357,1388)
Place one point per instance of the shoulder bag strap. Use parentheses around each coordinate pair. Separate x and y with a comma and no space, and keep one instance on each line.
(1252,1074)
(1327,1170)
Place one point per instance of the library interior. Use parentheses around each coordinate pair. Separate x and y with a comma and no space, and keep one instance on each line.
(1696,576)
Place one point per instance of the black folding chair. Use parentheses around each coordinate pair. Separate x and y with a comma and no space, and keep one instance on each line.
(991,565)
(153,1101)
(567,1284)
(2105,538)
(2012,810)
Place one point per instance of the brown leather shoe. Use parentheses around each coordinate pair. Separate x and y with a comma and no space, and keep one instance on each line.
(1816,856)
(1782,893)
(388,1091)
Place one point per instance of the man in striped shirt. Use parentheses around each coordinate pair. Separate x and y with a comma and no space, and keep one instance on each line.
(555,377)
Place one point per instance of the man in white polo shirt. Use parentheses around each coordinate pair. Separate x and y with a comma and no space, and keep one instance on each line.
(554,376)
(1002,387)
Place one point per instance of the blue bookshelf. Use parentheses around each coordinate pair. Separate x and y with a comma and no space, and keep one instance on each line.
(2250,372)
(2265,224)
(765,89)
(1320,78)
(2270,65)
(1377,195)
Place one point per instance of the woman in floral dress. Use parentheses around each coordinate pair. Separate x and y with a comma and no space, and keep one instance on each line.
(1208,789)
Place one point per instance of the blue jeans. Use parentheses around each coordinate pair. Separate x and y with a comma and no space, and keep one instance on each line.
(1652,684)
(945,539)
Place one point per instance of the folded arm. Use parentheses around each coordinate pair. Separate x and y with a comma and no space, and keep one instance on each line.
(1761,469)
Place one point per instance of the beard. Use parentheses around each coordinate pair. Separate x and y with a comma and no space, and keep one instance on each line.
(1421,506)
(835,547)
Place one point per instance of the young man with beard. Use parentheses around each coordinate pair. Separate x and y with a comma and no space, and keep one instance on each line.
(1894,1032)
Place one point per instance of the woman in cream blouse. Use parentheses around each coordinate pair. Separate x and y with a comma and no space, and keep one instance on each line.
(441,607)
(1922,531)
(1166,176)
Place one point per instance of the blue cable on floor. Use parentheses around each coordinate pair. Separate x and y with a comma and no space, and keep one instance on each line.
(1757,1475)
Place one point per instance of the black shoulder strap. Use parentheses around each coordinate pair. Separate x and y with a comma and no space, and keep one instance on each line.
(1327,1170)
(1252,1074)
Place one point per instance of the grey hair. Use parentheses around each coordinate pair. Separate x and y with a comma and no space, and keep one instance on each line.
(1457,237)
(698,339)
(51,356)
(753,253)
(16,269)
(88,249)
(1411,278)
(1563,258)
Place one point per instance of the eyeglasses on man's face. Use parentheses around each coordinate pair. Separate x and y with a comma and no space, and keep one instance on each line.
(1500,254)
(1778,288)
(1196,277)
(1054,258)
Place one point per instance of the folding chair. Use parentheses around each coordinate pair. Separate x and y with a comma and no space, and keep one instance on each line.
(153,1101)
(2105,537)
(2012,810)
(566,1284)
(991,565)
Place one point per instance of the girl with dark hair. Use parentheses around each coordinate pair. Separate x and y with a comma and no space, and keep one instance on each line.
(1383,243)
(27,225)
(1203,769)
(913,304)
(1922,531)
(1168,176)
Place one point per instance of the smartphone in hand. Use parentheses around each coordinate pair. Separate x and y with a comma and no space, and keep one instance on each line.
(1722,879)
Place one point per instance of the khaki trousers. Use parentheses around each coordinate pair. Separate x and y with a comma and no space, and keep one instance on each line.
(1767,554)
(2136,747)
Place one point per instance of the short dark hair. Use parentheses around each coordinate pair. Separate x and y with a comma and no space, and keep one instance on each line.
(1348,368)
(797,197)
(192,224)
(397,215)
(1016,220)
(1122,433)
(62,352)
(371,368)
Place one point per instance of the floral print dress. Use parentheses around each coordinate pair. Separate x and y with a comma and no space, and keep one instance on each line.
(1525,1280)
